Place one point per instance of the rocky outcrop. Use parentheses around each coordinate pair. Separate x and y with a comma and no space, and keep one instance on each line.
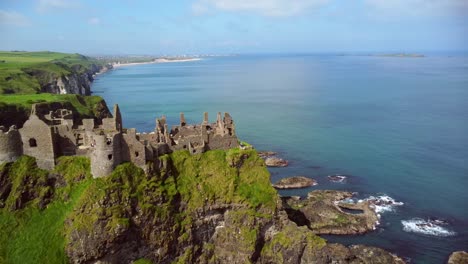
(295,183)
(276,162)
(324,213)
(77,82)
(266,154)
(271,160)
(458,257)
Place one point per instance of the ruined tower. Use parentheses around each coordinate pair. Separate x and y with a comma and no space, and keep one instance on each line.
(106,154)
(106,145)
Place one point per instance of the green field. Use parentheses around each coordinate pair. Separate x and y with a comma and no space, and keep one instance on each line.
(28,72)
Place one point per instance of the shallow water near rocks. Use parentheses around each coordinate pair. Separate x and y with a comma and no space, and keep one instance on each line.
(393,126)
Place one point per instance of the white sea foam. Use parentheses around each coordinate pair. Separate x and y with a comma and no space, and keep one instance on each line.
(427,227)
(337,178)
(382,203)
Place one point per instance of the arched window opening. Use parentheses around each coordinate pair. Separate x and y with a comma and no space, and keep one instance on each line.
(109,157)
(32,142)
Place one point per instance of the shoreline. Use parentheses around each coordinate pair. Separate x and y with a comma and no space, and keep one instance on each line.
(118,65)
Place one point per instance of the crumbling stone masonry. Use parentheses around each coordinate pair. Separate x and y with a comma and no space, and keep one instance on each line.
(47,135)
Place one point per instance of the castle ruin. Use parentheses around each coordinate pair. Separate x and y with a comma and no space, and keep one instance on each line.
(47,135)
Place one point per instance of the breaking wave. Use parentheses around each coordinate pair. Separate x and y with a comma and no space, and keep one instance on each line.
(382,203)
(337,178)
(428,227)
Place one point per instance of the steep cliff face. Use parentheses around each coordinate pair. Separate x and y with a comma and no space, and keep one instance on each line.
(78,81)
(218,207)
(51,72)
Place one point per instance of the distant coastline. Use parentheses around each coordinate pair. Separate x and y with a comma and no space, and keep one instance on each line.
(162,60)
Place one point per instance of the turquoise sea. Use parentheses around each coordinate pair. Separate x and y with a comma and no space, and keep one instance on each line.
(394,126)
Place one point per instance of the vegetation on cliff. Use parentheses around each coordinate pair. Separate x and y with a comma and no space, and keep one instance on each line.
(31,72)
(15,109)
(35,233)
(215,207)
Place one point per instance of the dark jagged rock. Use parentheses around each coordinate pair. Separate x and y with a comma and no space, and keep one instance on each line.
(458,257)
(324,213)
(294,183)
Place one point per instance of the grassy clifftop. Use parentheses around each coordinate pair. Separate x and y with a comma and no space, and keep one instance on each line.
(28,72)
(15,109)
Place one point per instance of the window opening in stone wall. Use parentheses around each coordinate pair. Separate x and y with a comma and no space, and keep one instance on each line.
(109,157)
(137,154)
(109,141)
(32,142)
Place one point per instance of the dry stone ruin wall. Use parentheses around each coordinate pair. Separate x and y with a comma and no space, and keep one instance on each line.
(51,133)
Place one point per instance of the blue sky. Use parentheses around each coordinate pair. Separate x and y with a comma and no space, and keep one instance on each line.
(233,26)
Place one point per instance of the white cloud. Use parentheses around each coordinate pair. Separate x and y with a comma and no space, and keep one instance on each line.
(12,18)
(418,7)
(49,5)
(94,21)
(278,8)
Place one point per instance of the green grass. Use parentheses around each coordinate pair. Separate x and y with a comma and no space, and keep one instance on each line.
(15,108)
(215,176)
(32,235)
(83,104)
(142,261)
(28,72)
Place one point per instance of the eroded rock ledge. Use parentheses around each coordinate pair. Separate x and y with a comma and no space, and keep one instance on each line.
(295,183)
(458,257)
(324,213)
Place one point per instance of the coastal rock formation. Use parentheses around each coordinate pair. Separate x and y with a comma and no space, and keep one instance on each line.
(217,207)
(324,213)
(271,160)
(266,154)
(77,82)
(458,257)
(294,183)
(202,219)
(276,162)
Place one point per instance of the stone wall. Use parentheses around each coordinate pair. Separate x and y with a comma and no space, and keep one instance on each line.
(11,146)
(133,150)
(38,142)
(51,132)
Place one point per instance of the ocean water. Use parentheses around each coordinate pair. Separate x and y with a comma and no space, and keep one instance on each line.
(394,126)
